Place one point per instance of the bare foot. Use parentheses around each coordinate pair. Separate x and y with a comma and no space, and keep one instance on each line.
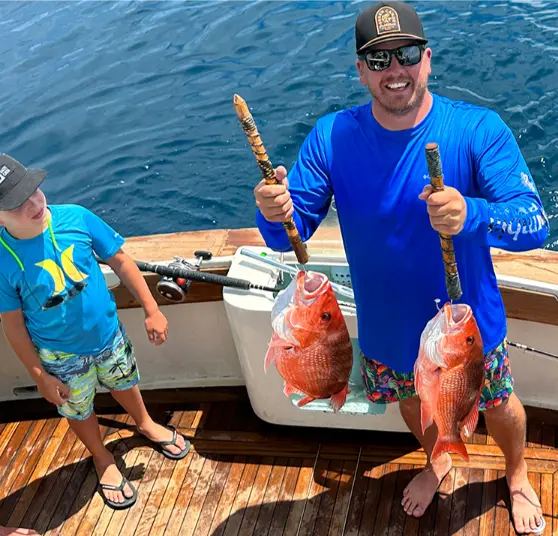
(156,432)
(526,507)
(419,493)
(12,531)
(109,474)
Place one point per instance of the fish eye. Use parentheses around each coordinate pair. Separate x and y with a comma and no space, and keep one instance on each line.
(326,316)
(470,340)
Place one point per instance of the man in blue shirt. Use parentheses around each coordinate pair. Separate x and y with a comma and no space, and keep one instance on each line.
(372,159)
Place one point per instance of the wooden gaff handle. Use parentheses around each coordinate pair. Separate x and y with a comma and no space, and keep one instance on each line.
(249,126)
(453,284)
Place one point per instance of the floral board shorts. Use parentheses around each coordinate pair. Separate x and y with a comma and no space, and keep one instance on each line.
(384,385)
(114,368)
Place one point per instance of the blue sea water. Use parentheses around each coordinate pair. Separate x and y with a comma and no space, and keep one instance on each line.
(128,105)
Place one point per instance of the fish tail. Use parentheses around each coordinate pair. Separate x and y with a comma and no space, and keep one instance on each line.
(451,444)
(338,399)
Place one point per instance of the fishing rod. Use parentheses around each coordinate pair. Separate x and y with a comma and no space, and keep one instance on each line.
(177,272)
(453,284)
(249,127)
(180,275)
(531,349)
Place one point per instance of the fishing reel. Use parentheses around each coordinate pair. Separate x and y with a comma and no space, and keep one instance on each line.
(175,290)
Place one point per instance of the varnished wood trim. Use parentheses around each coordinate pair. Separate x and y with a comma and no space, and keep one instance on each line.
(532,306)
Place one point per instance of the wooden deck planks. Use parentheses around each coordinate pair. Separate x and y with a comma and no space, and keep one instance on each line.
(245,477)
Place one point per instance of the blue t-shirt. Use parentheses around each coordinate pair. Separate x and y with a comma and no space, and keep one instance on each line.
(393,252)
(83,324)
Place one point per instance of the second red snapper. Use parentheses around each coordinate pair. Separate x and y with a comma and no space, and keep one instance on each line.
(310,344)
(449,376)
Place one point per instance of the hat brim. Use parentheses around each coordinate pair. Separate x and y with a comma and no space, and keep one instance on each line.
(23,190)
(393,37)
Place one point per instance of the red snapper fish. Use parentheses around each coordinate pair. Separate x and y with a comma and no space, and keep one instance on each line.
(449,376)
(310,344)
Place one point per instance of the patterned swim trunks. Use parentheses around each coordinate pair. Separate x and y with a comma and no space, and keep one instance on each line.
(114,368)
(384,385)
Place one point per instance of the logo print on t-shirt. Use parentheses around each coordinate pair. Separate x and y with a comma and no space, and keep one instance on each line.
(60,274)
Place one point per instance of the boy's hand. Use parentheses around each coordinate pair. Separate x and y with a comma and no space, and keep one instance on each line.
(53,389)
(157,328)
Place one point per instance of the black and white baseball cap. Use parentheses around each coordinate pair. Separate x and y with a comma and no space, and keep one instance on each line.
(17,183)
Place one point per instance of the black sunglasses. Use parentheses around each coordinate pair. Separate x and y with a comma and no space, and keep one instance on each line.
(380,60)
(59,299)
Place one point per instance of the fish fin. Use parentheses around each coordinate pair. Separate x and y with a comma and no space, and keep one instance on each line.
(270,357)
(444,445)
(428,388)
(278,342)
(275,344)
(469,423)
(289,390)
(305,400)
(426,418)
(337,400)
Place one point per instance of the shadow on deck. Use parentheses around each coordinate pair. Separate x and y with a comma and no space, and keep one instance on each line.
(246,477)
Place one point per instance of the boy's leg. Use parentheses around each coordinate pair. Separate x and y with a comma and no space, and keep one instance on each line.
(79,374)
(88,432)
(118,372)
(132,401)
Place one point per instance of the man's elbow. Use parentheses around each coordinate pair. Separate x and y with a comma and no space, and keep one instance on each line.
(534,239)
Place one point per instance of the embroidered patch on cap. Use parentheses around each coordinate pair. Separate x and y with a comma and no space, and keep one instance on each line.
(4,172)
(387,20)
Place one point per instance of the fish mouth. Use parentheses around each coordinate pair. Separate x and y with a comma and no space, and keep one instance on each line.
(449,319)
(311,286)
(454,316)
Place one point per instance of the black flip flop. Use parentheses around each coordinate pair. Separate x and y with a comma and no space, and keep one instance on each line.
(128,501)
(172,442)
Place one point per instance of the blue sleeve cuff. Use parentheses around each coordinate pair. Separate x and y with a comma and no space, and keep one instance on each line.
(274,234)
(119,242)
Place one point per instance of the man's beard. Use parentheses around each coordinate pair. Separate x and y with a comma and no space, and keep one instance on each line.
(398,106)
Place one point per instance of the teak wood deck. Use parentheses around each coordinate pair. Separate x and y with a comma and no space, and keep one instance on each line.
(245,477)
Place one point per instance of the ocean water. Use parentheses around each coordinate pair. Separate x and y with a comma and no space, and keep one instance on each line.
(128,105)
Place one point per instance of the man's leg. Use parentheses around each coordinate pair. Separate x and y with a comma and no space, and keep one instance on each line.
(506,423)
(419,493)
(13,531)
(383,385)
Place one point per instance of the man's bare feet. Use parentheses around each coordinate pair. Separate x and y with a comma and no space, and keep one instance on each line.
(12,531)
(419,493)
(156,432)
(109,474)
(526,507)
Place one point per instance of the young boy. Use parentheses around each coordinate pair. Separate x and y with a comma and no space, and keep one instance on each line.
(61,320)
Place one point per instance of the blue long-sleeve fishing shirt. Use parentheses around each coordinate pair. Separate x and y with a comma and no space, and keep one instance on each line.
(393,252)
